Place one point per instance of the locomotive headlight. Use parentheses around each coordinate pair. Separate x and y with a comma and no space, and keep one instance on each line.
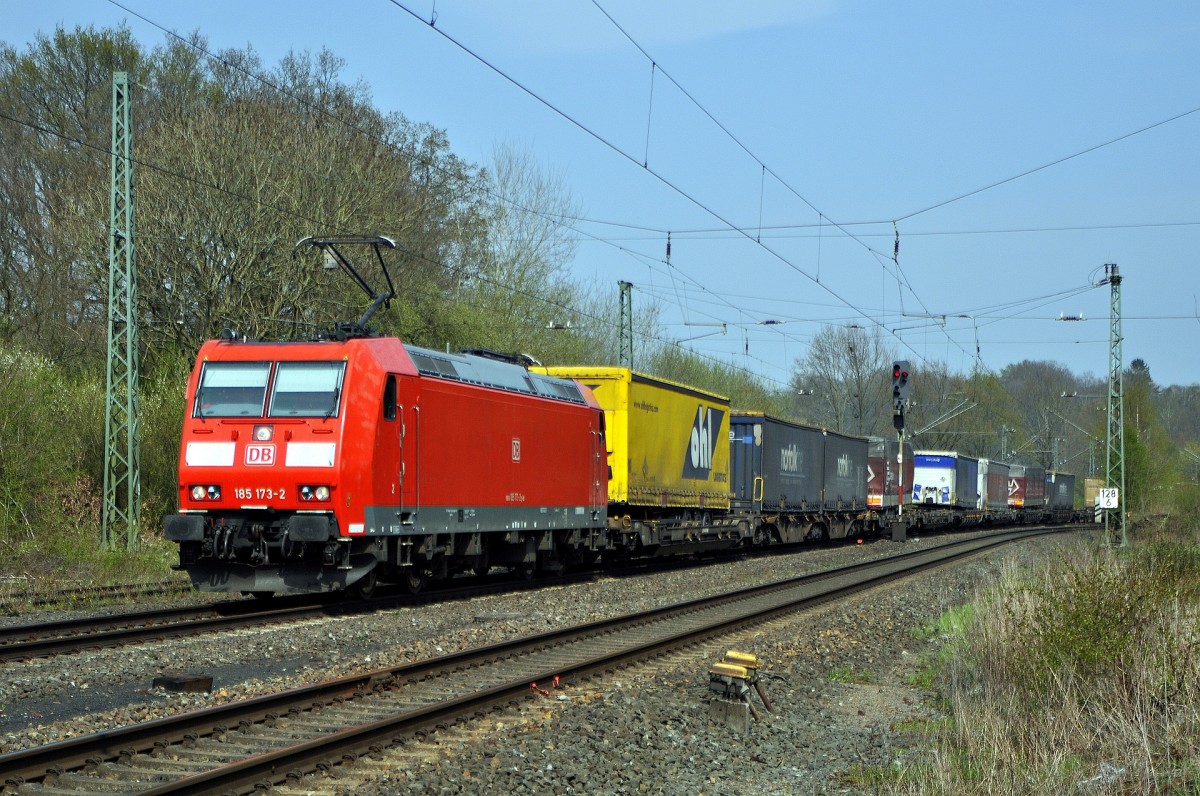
(264,433)
(318,493)
(206,492)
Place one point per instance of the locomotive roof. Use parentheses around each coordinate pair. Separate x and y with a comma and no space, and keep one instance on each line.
(485,371)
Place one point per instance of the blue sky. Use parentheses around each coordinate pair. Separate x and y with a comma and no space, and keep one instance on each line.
(844,122)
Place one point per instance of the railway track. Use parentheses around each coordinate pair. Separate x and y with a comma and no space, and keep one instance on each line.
(47,639)
(74,596)
(65,637)
(246,746)
(23,642)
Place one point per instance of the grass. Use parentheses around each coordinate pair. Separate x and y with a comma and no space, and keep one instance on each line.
(39,568)
(1080,677)
(847,674)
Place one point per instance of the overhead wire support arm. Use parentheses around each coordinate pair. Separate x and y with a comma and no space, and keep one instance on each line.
(950,414)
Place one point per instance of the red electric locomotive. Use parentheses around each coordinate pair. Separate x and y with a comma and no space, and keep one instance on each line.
(352,460)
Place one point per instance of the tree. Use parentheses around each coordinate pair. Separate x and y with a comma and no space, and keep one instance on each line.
(1037,389)
(848,368)
(54,186)
(1150,462)
(519,296)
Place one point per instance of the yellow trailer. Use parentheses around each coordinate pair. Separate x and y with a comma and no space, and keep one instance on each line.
(668,444)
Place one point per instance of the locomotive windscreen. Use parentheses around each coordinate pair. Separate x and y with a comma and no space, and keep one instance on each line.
(299,389)
(232,389)
(307,389)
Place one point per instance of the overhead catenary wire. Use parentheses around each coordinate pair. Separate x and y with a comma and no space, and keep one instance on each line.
(764,171)
(649,170)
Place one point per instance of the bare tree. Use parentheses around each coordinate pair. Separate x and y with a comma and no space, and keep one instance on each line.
(848,371)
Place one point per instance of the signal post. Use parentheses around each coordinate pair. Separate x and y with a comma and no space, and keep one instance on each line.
(900,391)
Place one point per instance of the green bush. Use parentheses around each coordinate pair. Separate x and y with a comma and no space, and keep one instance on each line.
(1091,616)
(52,468)
(49,431)
(1083,671)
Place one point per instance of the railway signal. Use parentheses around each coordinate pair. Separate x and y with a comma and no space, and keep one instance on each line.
(900,386)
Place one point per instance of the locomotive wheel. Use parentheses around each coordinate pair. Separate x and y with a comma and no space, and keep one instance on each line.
(482,564)
(414,580)
(364,588)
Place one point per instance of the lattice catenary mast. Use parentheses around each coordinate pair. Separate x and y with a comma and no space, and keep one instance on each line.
(1114,519)
(625,352)
(122,466)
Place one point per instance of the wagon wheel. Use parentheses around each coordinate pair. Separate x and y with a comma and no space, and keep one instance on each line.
(525,570)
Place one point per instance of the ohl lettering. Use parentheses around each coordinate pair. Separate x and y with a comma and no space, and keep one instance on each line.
(702,442)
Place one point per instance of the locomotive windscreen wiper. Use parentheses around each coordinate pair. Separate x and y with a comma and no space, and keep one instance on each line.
(333,405)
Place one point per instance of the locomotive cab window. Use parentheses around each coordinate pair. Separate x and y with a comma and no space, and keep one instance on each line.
(307,389)
(232,389)
(389,398)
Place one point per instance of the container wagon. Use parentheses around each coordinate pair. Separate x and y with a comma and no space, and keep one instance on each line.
(883,473)
(1060,496)
(993,489)
(945,488)
(1027,492)
(795,482)
(667,449)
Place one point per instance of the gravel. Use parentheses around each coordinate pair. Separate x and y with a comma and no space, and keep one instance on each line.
(838,678)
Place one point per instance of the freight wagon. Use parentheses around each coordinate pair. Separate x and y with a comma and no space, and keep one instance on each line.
(993,491)
(793,482)
(1027,491)
(883,473)
(1060,496)
(1091,496)
(945,488)
(667,448)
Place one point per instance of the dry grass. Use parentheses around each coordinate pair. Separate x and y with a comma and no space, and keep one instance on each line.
(1083,677)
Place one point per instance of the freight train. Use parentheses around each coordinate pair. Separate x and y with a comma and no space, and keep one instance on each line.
(356,459)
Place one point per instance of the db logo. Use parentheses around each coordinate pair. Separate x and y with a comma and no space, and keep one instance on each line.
(260,454)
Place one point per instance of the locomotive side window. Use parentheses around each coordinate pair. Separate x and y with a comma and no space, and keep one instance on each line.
(389,398)
(232,389)
(307,389)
